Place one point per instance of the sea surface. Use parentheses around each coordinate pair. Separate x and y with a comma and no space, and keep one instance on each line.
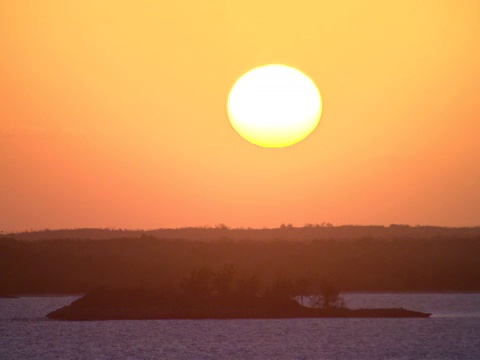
(453,332)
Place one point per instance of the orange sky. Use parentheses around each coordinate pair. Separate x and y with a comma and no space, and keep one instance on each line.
(113,113)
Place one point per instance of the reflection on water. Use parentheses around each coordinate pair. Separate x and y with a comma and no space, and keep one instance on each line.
(451,333)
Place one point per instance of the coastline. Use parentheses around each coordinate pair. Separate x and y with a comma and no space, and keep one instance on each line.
(146,305)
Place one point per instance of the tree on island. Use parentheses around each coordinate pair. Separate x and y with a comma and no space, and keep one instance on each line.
(329,296)
(312,292)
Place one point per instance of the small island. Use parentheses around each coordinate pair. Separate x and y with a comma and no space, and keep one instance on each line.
(222,295)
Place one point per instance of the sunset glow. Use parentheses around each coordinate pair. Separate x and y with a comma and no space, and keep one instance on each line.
(113,113)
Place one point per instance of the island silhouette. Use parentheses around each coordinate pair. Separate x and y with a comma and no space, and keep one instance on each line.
(206,294)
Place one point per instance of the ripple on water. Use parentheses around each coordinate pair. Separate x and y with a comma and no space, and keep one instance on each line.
(26,334)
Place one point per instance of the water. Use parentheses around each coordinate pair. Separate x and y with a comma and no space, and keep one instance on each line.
(453,332)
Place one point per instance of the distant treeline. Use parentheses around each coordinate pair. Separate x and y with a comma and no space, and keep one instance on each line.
(368,264)
(324,231)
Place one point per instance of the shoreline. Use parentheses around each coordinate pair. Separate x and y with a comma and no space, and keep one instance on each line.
(67,313)
(131,304)
(30,295)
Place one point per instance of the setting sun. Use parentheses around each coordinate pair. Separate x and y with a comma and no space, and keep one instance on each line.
(146,114)
(274,106)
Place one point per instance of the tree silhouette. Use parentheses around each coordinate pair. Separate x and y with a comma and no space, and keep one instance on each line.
(329,296)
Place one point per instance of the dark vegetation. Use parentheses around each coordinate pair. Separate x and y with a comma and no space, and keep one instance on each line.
(203,293)
(376,263)
(221,295)
(324,231)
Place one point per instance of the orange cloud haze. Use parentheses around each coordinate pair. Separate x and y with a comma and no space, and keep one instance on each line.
(113,113)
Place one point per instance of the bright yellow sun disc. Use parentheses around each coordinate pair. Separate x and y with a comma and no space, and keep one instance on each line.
(274,106)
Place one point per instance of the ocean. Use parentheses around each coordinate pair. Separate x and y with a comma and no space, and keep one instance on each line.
(453,332)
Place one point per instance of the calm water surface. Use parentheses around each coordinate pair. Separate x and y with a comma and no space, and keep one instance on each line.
(453,332)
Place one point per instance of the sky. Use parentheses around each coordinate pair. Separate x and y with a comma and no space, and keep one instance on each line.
(113,113)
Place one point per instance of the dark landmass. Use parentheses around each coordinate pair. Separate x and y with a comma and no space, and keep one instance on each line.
(323,231)
(437,264)
(8,296)
(143,305)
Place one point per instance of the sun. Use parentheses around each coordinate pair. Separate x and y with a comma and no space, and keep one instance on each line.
(274,106)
